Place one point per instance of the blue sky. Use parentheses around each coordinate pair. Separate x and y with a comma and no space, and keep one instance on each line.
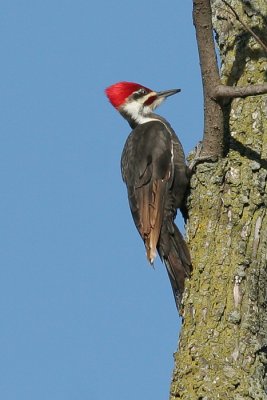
(83,316)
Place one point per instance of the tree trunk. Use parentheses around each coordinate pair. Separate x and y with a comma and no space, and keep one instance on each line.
(223,344)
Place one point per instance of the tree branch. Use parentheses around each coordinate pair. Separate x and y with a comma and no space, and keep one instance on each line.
(213,143)
(230,92)
(214,92)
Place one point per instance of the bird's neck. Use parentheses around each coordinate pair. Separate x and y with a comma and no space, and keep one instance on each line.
(141,118)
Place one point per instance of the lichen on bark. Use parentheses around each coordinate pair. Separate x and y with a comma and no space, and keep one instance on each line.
(223,344)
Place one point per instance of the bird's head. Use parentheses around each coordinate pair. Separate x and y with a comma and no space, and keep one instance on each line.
(135,101)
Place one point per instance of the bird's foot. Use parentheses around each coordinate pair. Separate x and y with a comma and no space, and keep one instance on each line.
(198,158)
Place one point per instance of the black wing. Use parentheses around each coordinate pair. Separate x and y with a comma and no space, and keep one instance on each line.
(147,169)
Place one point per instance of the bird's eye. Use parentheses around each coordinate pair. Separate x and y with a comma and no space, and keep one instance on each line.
(142,91)
(139,93)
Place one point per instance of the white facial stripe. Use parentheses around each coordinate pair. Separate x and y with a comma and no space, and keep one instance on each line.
(157,102)
(138,111)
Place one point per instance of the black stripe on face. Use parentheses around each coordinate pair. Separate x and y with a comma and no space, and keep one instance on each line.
(139,94)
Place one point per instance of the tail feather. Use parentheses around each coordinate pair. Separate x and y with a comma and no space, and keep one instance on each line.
(174,253)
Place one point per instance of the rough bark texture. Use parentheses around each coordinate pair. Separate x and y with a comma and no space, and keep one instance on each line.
(223,344)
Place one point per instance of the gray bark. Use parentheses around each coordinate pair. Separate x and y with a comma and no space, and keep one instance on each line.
(223,344)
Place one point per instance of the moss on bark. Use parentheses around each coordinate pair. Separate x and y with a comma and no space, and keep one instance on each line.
(223,344)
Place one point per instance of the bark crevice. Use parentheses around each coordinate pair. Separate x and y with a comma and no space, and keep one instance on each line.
(222,350)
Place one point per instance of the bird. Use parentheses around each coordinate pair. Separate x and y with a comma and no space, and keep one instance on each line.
(156,175)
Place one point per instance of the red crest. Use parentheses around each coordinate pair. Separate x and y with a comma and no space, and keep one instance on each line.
(119,92)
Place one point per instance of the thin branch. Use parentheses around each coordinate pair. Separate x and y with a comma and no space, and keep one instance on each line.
(247,28)
(230,92)
(213,90)
(213,118)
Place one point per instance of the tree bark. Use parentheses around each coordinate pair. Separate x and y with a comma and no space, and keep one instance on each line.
(223,343)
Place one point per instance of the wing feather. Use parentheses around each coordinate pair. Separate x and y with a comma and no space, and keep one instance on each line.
(147,172)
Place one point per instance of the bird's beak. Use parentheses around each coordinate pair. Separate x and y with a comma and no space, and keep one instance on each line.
(167,93)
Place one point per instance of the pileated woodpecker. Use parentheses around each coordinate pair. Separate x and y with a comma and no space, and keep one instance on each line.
(156,175)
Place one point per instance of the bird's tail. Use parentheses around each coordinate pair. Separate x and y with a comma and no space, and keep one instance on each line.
(174,252)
